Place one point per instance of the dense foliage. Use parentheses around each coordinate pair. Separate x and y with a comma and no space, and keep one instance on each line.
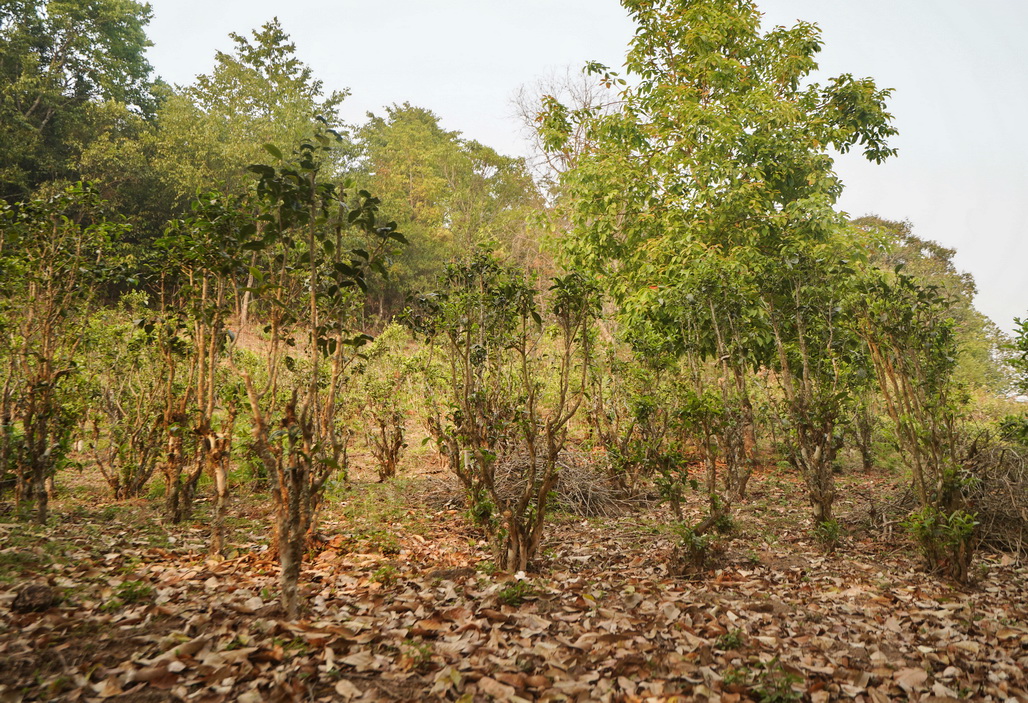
(62,65)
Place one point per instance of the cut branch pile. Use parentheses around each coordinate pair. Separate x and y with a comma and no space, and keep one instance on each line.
(581,489)
(1000,493)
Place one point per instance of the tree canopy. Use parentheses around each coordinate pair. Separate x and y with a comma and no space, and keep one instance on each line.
(58,60)
(448,193)
(893,246)
(210,131)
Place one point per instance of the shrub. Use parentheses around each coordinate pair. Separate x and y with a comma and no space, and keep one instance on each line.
(946,539)
(1014,429)
(828,533)
(693,551)
(516,593)
(382,391)
(769,682)
(910,337)
(511,386)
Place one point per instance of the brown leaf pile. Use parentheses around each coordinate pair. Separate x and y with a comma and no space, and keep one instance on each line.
(422,618)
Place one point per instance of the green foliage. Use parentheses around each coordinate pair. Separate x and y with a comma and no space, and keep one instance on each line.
(381,392)
(631,413)
(693,550)
(201,266)
(127,593)
(315,253)
(724,525)
(124,379)
(497,356)
(705,204)
(448,194)
(417,654)
(482,512)
(912,344)
(672,480)
(516,593)
(767,682)
(945,539)
(735,141)
(134,591)
(55,257)
(385,575)
(58,62)
(1019,347)
(865,427)
(828,533)
(911,340)
(1014,428)
(820,361)
(123,158)
(733,639)
(259,94)
(893,246)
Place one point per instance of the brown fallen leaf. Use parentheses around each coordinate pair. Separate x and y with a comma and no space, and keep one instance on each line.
(499,691)
(537,681)
(910,679)
(347,690)
(428,628)
(186,649)
(493,615)
(517,681)
(971,648)
(109,688)
(361,661)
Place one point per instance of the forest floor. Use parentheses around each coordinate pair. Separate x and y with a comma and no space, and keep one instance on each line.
(404,604)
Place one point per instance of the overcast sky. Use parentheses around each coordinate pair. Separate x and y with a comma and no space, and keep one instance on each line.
(959,70)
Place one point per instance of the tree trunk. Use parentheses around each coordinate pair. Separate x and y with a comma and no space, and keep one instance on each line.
(864,431)
(294,518)
(41,495)
(290,556)
(514,553)
(220,458)
(173,480)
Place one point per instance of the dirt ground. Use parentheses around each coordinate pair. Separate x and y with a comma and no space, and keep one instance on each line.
(405,604)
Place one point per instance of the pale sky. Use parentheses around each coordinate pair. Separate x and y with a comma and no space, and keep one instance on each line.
(959,70)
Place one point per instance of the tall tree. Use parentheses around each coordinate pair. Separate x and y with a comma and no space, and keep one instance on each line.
(978,339)
(448,194)
(57,60)
(721,144)
(259,93)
